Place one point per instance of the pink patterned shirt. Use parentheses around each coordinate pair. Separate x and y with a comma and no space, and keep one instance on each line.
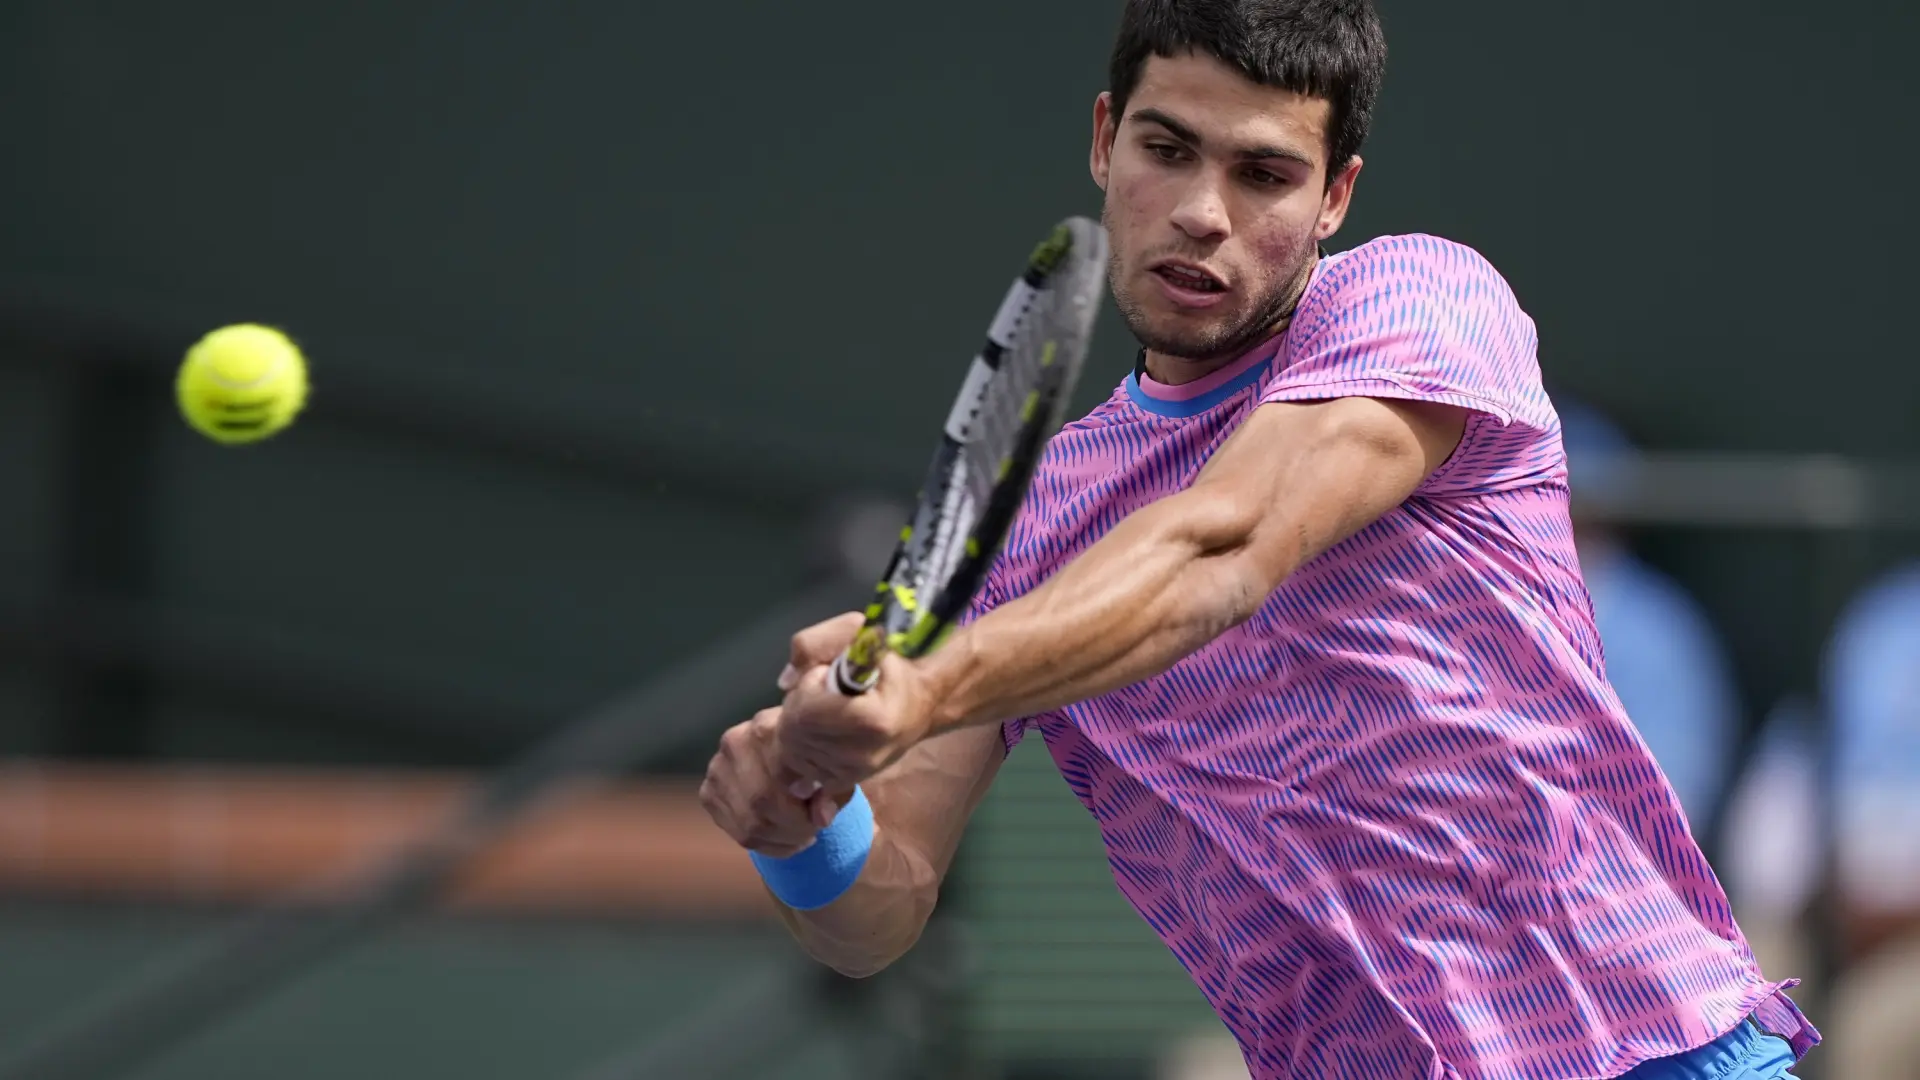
(1396,825)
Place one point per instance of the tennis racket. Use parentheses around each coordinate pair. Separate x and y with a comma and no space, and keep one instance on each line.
(1012,401)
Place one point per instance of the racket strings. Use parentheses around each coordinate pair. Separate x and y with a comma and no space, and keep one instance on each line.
(946,524)
(1005,413)
(1034,350)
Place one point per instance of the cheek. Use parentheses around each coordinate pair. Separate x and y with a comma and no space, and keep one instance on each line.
(1136,212)
(1277,246)
(1139,189)
(1134,194)
(1285,238)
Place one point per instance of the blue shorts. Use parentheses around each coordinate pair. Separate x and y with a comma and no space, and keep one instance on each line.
(1745,1053)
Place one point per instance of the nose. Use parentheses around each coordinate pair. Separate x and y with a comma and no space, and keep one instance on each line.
(1202,211)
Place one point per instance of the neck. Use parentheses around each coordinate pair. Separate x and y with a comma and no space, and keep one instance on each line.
(1175,370)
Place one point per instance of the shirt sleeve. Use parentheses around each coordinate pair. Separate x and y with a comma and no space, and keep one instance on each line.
(1419,318)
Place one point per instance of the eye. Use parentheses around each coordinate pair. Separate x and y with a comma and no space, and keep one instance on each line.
(1168,152)
(1265,177)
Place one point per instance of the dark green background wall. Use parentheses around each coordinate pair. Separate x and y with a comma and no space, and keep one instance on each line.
(739,232)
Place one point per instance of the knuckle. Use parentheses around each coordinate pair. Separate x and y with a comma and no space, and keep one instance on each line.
(764,739)
(766,835)
(867,723)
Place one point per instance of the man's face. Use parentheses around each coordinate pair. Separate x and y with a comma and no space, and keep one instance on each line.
(1217,200)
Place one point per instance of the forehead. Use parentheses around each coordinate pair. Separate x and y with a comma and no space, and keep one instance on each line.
(1225,106)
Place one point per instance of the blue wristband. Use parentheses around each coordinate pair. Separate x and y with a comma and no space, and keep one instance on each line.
(819,875)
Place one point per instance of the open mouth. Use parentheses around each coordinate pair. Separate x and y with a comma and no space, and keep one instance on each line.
(1189,278)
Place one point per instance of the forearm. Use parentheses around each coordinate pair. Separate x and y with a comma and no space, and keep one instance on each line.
(920,809)
(878,919)
(1161,584)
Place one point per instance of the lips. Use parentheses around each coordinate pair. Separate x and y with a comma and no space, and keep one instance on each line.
(1189,285)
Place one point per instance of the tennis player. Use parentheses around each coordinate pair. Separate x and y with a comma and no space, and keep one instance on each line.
(1298,615)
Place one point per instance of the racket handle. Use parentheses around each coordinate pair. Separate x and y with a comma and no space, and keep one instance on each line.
(847,682)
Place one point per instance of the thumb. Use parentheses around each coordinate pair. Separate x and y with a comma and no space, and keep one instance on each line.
(819,644)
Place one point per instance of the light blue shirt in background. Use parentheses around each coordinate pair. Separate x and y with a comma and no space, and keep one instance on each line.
(1873,702)
(1671,671)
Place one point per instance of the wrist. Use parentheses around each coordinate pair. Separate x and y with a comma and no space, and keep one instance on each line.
(821,874)
(948,678)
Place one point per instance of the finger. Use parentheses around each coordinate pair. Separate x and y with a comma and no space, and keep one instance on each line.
(802,771)
(797,784)
(805,768)
(775,821)
(829,771)
(776,850)
(822,642)
(825,806)
(744,796)
(728,820)
(785,748)
(731,809)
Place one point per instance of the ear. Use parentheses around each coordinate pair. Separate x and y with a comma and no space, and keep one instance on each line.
(1339,196)
(1105,127)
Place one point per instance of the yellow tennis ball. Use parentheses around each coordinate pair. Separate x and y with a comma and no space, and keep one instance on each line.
(242,383)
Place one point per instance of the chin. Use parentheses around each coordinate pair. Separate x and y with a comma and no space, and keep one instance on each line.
(1186,338)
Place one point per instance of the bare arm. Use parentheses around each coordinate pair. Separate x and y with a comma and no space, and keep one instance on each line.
(921,805)
(1294,480)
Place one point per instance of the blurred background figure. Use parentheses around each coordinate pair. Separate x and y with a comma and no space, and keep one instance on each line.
(1664,656)
(1775,849)
(1873,700)
(1770,856)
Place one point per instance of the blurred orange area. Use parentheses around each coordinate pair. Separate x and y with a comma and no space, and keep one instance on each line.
(252,834)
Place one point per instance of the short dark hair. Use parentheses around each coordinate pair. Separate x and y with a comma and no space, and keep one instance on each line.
(1330,49)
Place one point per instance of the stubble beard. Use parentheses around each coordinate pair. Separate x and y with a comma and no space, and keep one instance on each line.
(1221,341)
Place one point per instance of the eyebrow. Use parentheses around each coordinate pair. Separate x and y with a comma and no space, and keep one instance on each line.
(1187,135)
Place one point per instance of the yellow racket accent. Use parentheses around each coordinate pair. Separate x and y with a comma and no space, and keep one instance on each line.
(879,604)
(1048,253)
(1027,406)
(863,655)
(1046,354)
(910,641)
